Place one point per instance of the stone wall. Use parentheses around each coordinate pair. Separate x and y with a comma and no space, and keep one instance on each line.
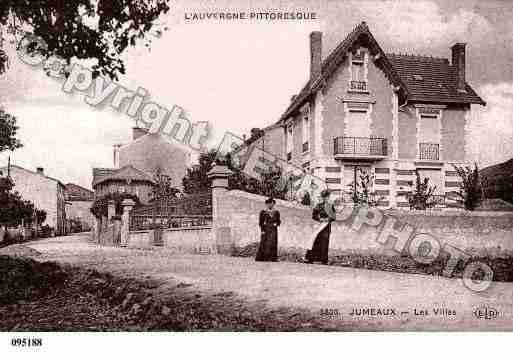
(197,240)
(238,212)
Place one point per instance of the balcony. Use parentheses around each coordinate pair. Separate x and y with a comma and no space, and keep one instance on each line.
(363,148)
(358,86)
(305,147)
(429,151)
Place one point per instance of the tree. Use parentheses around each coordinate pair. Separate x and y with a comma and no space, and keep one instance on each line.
(470,190)
(272,183)
(40,216)
(196,180)
(163,189)
(15,209)
(8,131)
(422,195)
(84,29)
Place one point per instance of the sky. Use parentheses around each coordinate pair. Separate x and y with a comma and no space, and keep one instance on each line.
(241,74)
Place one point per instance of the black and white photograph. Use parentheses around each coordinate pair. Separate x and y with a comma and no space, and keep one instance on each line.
(254,166)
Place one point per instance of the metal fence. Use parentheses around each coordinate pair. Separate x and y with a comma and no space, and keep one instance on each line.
(429,151)
(184,212)
(360,146)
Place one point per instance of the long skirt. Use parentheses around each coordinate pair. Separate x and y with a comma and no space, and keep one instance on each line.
(268,248)
(319,251)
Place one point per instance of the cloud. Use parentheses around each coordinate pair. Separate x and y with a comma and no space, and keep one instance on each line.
(423,22)
(409,25)
(491,127)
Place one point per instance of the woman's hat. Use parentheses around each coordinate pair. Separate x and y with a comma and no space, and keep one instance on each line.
(325,193)
(270,200)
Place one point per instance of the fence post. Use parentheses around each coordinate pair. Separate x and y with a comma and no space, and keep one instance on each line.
(221,235)
(127,204)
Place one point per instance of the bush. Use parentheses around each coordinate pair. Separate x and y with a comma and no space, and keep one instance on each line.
(26,279)
(470,189)
(422,195)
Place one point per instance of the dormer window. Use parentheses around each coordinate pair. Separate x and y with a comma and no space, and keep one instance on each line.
(358,81)
(358,58)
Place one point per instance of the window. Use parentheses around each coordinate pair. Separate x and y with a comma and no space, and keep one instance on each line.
(357,71)
(358,82)
(358,123)
(306,132)
(289,142)
(429,136)
(429,128)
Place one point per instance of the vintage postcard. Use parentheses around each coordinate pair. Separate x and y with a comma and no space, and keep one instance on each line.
(249,166)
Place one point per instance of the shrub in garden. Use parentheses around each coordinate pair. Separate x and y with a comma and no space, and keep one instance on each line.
(362,194)
(470,190)
(421,197)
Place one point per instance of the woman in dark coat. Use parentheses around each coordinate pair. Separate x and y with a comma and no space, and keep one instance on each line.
(268,222)
(319,251)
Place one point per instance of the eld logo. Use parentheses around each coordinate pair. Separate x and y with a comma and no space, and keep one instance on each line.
(484,312)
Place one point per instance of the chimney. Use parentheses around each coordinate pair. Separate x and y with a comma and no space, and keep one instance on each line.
(315,54)
(40,170)
(115,153)
(138,132)
(458,61)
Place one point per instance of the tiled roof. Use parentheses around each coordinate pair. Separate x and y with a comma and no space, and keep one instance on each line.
(332,61)
(126,173)
(78,193)
(431,79)
(439,78)
(100,173)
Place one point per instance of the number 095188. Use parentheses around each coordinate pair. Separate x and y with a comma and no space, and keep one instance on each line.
(26,342)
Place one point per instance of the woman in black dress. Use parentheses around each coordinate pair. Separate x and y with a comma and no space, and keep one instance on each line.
(268,222)
(321,213)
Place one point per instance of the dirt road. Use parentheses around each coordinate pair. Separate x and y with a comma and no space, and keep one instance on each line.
(385,301)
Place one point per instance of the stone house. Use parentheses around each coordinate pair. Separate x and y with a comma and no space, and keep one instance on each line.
(151,153)
(45,192)
(80,200)
(364,111)
(127,179)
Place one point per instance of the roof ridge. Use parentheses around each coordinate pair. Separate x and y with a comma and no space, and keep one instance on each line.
(77,185)
(418,56)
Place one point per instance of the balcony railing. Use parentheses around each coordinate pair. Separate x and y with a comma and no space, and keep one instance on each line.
(359,86)
(305,147)
(429,151)
(360,147)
